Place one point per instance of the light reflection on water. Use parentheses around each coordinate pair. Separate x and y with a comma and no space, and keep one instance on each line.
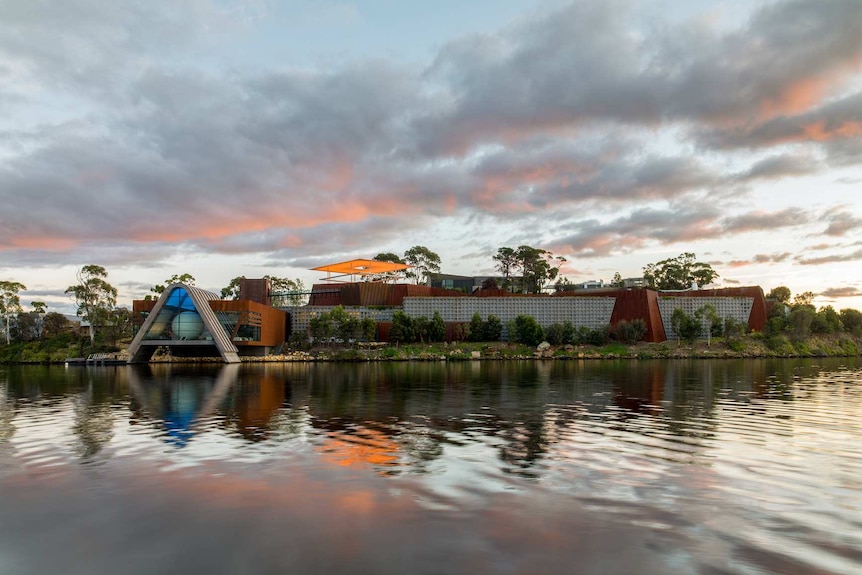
(480,467)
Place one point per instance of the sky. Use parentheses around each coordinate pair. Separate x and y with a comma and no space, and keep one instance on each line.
(226,137)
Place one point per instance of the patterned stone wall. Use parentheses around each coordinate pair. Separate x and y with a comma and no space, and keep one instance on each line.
(301,316)
(738,308)
(591,312)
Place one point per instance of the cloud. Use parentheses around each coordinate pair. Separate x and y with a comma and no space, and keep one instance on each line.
(781,166)
(837,120)
(836,258)
(839,292)
(126,144)
(759,259)
(841,222)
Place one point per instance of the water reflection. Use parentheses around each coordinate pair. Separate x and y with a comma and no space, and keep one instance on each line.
(517,467)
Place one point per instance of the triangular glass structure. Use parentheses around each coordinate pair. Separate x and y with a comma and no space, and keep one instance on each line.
(182,316)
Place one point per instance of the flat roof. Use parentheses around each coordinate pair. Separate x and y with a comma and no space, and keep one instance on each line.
(361,267)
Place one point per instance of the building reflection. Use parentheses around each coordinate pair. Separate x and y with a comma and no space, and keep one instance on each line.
(178,400)
(397,417)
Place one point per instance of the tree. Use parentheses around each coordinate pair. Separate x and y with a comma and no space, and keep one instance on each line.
(54,324)
(851,319)
(232,289)
(536,267)
(386,276)
(564,284)
(402,328)
(507,262)
(40,308)
(187,279)
(10,302)
(526,330)
(290,291)
(94,296)
(826,320)
(804,299)
(490,283)
(708,318)
(685,326)
(780,294)
(617,280)
(679,273)
(423,262)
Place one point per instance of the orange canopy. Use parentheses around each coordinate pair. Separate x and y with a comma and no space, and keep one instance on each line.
(361,267)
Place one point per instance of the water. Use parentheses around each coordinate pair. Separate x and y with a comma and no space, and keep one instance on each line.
(479,467)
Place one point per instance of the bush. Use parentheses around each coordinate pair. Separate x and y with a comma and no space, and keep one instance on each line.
(596,337)
(299,340)
(686,327)
(488,330)
(528,331)
(779,343)
(493,328)
(799,321)
(569,334)
(851,319)
(554,334)
(629,331)
(402,328)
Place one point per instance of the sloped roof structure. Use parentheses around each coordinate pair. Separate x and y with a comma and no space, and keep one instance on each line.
(159,327)
(359,267)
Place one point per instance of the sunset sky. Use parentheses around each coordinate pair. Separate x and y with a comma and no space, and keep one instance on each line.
(224,138)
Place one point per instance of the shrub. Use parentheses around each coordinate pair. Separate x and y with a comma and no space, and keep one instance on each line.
(597,337)
(437,329)
(569,334)
(851,319)
(528,331)
(686,327)
(629,331)
(493,328)
(488,330)
(402,328)
(799,321)
(779,343)
(554,334)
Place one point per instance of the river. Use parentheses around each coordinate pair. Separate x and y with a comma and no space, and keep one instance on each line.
(695,466)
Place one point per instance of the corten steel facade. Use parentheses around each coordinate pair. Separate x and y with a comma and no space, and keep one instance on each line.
(372,294)
(745,304)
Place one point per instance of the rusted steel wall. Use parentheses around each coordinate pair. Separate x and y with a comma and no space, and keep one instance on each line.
(326,294)
(631,303)
(373,293)
(272,321)
(757,318)
(497,292)
(141,307)
(257,290)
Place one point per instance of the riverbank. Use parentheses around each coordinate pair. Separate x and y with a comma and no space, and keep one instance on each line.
(751,346)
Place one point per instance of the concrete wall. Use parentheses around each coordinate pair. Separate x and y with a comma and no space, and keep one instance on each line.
(738,308)
(591,312)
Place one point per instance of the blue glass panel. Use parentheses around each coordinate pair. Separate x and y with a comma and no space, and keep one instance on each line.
(180,299)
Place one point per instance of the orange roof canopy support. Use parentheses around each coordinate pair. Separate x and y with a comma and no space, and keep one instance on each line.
(360,268)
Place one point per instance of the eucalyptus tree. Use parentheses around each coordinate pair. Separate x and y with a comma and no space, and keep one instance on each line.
(187,279)
(291,291)
(679,273)
(94,296)
(507,262)
(423,262)
(386,276)
(10,302)
(537,266)
(40,308)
